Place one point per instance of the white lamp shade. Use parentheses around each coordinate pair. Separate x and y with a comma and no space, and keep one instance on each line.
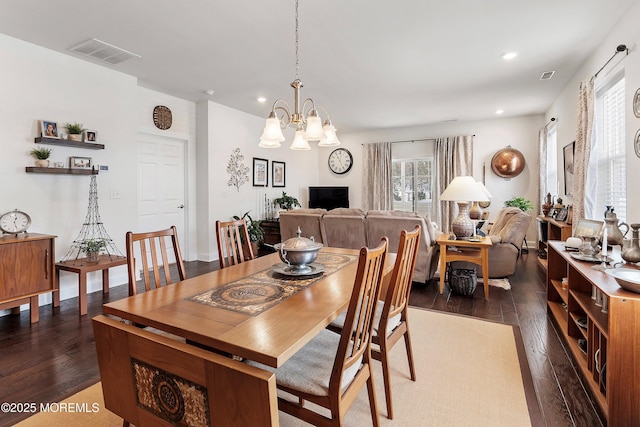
(331,139)
(463,188)
(272,131)
(299,142)
(266,143)
(314,130)
(484,189)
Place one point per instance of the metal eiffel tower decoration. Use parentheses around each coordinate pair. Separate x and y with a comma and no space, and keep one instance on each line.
(93,239)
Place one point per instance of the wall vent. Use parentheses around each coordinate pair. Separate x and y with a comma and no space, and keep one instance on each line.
(104,52)
(547,75)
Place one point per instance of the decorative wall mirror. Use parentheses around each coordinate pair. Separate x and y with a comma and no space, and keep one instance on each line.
(507,163)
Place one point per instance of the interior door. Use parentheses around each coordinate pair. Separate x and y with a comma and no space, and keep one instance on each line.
(161,184)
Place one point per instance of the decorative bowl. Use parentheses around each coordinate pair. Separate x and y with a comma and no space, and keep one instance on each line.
(628,278)
(298,252)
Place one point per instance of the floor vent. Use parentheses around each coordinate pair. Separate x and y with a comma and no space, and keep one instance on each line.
(547,75)
(104,52)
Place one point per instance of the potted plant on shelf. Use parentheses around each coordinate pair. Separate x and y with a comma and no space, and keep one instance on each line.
(255,231)
(75,131)
(92,248)
(41,154)
(286,202)
(519,202)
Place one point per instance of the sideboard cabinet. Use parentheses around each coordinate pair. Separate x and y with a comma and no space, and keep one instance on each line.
(26,270)
(610,363)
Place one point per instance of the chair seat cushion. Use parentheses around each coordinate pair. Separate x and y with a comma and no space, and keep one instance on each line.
(338,322)
(309,370)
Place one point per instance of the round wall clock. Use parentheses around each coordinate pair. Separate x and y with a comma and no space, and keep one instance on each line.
(636,143)
(636,103)
(340,161)
(162,117)
(15,222)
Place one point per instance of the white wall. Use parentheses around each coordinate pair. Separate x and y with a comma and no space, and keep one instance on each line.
(490,136)
(564,108)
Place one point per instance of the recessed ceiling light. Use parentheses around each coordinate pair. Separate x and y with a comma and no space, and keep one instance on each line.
(261,99)
(499,111)
(209,91)
(509,55)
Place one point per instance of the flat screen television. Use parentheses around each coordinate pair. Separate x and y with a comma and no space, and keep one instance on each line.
(328,197)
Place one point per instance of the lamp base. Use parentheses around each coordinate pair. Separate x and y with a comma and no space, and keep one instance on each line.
(462,226)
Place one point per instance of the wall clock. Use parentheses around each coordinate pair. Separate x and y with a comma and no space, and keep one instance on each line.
(340,161)
(162,117)
(636,143)
(15,222)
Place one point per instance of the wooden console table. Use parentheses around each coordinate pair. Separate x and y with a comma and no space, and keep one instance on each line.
(82,267)
(465,250)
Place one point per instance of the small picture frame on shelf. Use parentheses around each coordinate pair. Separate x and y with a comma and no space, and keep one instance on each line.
(562,214)
(587,228)
(90,136)
(80,162)
(278,176)
(49,129)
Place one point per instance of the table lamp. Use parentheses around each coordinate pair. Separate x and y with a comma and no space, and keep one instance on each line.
(476,211)
(462,190)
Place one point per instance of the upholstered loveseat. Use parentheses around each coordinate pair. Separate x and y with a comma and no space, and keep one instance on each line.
(355,228)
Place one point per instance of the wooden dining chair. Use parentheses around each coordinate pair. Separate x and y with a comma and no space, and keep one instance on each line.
(148,379)
(332,369)
(392,312)
(152,252)
(233,242)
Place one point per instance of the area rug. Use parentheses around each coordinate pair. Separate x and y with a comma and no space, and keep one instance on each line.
(498,283)
(470,372)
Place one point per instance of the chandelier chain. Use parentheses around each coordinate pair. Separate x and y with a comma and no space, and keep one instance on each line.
(297,43)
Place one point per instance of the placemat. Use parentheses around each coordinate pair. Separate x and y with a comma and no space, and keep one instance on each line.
(256,293)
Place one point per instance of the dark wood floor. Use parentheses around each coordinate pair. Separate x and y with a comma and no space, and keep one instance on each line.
(54,358)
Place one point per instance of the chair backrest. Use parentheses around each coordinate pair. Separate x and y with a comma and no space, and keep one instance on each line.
(149,379)
(397,297)
(355,340)
(233,242)
(152,251)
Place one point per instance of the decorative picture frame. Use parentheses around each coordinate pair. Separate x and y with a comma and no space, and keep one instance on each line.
(587,228)
(80,162)
(49,129)
(569,153)
(562,214)
(260,172)
(90,136)
(278,174)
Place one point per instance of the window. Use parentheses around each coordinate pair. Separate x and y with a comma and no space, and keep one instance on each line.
(607,166)
(413,185)
(551,185)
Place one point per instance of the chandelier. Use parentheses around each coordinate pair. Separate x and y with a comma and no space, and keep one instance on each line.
(305,118)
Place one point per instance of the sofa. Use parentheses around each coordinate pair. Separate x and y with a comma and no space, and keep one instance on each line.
(507,236)
(354,228)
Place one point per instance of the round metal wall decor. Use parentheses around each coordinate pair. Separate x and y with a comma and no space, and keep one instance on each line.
(162,117)
(636,103)
(507,163)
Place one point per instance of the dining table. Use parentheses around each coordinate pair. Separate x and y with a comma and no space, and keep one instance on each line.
(250,309)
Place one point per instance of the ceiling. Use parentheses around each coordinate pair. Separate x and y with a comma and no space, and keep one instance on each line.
(371,64)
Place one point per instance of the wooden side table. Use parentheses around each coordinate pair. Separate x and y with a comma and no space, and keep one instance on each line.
(82,267)
(465,250)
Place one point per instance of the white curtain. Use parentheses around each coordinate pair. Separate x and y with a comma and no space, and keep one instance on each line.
(377,187)
(582,202)
(542,168)
(453,157)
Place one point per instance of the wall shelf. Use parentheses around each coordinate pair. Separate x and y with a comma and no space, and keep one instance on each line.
(68,143)
(62,171)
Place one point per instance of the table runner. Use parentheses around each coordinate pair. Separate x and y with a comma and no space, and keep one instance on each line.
(256,293)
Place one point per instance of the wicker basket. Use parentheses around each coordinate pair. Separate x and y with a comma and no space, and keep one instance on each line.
(463,281)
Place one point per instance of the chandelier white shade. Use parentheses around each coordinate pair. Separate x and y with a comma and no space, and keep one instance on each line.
(304,117)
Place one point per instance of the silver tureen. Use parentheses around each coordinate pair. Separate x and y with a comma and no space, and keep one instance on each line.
(298,252)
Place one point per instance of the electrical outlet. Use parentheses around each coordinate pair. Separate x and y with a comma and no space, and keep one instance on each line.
(115,194)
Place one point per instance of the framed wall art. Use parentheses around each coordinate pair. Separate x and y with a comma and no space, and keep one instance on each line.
(80,162)
(49,129)
(569,151)
(278,174)
(260,172)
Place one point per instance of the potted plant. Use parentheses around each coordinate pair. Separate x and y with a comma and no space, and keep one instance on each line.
(75,131)
(255,231)
(92,248)
(286,202)
(41,154)
(519,202)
